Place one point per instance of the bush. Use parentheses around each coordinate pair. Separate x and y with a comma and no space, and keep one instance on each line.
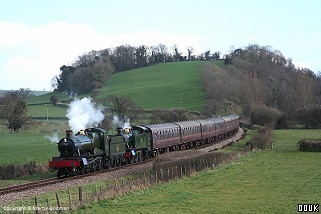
(53,100)
(310,118)
(263,139)
(172,115)
(18,170)
(263,115)
(310,145)
(282,122)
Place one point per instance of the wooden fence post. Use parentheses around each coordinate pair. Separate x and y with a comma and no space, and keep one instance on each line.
(176,170)
(58,199)
(130,184)
(116,184)
(80,195)
(70,202)
(36,205)
(172,173)
(48,205)
(137,178)
(86,190)
(150,177)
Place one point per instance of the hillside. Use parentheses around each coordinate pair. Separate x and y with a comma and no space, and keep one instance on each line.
(165,86)
(35,93)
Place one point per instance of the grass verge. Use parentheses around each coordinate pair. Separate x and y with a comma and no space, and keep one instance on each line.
(262,182)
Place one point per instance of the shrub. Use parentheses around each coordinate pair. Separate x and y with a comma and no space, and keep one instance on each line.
(282,122)
(53,100)
(263,139)
(264,115)
(18,170)
(310,145)
(310,118)
(172,115)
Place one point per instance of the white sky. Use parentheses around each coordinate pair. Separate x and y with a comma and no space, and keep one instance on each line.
(37,37)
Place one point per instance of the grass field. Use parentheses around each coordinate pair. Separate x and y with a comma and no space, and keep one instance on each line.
(32,145)
(47,110)
(165,85)
(261,182)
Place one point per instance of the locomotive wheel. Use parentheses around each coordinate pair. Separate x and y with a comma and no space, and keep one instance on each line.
(108,166)
(82,171)
(130,160)
(86,170)
(61,174)
(139,157)
(93,167)
(99,165)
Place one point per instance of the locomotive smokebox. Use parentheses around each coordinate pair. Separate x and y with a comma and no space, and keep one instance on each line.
(69,133)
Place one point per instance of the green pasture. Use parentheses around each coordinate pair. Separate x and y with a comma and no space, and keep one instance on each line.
(45,98)
(261,182)
(165,85)
(31,145)
(47,110)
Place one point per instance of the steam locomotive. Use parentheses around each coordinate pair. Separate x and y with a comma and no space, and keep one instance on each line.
(93,149)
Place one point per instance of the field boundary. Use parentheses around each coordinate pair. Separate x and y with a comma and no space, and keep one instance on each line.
(138,181)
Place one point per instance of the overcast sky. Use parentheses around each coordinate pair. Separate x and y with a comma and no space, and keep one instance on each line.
(39,36)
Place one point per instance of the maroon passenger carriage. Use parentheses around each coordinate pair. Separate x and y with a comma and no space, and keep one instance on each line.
(164,137)
(187,134)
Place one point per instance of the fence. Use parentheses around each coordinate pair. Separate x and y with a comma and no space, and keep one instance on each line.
(71,199)
(268,146)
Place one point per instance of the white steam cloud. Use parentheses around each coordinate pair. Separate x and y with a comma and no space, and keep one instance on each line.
(52,138)
(83,114)
(119,123)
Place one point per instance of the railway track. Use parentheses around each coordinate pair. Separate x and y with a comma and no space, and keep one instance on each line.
(50,181)
(30,185)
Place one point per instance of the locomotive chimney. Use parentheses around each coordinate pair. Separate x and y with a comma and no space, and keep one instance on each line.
(69,133)
(119,131)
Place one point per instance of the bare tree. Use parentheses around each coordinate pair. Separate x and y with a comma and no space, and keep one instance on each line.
(207,55)
(123,107)
(177,55)
(14,111)
(190,50)
(304,90)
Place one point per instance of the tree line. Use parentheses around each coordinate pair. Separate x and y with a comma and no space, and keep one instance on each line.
(256,82)
(264,84)
(91,70)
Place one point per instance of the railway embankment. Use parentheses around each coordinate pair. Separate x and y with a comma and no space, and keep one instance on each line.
(173,164)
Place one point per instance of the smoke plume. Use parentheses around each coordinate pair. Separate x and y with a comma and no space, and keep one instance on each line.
(121,123)
(52,138)
(84,114)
